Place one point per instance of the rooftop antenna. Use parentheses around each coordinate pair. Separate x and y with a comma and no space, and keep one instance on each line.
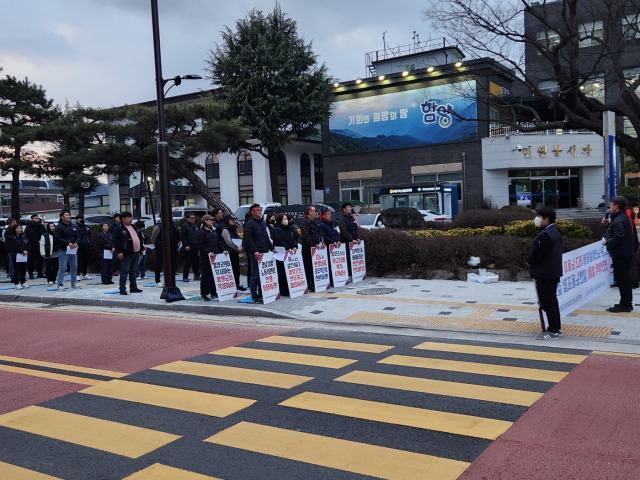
(384,42)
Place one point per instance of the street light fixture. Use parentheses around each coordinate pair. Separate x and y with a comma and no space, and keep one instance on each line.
(170,292)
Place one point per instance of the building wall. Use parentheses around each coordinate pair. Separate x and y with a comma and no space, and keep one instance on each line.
(509,152)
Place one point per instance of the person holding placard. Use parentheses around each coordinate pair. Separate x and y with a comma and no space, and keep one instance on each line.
(105,244)
(49,253)
(129,246)
(348,230)
(255,242)
(207,242)
(18,249)
(233,245)
(66,239)
(285,236)
(311,238)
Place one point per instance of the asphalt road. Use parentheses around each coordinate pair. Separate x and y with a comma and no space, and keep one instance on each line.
(86,395)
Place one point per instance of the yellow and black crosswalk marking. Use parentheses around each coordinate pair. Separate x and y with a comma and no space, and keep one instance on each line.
(310,404)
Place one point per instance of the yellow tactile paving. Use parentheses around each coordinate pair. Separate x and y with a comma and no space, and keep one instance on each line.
(234,374)
(52,376)
(64,366)
(441,387)
(285,357)
(454,423)
(329,344)
(361,458)
(13,472)
(477,368)
(168,397)
(501,352)
(158,471)
(473,322)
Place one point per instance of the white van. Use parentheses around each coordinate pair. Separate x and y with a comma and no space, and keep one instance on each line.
(178,213)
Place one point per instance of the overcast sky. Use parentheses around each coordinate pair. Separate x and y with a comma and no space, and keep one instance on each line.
(100,52)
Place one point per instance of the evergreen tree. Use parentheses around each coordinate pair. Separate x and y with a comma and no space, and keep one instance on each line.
(271,82)
(24,109)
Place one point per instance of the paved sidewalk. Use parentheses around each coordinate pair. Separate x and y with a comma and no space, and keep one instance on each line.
(484,310)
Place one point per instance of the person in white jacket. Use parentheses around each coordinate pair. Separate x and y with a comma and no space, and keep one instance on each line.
(49,253)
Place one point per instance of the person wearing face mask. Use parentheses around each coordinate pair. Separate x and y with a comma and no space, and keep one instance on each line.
(229,233)
(284,235)
(545,267)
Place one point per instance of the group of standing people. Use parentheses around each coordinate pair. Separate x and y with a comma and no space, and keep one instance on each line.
(280,231)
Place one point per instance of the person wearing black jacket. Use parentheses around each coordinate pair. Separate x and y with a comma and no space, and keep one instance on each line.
(84,239)
(105,242)
(65,237)
(207,241)
(284,235)
(230,233)
(311,237)
(17,243)
(49,253)
(156,240)
(129,245)
(117,221)
(348,230)
(188,233)
(255,242)
(34,232)
(545,267)
(620,243)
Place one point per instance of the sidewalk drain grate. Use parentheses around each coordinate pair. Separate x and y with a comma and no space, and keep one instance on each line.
(376,291)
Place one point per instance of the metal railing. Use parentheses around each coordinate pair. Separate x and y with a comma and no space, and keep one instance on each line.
(503,130)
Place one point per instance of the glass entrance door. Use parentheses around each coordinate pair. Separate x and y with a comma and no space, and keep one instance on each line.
(545,192)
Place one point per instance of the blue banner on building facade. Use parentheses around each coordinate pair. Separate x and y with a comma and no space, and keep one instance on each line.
(423,116)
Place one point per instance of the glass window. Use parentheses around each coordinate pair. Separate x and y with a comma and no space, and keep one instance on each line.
(245,163)
(591,33)
(305,165)
(306,195)
(246,197)
(519,173)
(631,26)
(212,166)
(548,86)
(593,87)
(318,168)
(425,178)
(549,39)
(449,177)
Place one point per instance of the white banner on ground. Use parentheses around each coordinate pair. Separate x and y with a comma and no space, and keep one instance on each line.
(339,270)
(226,287)
(320,268)
(296,278)
(586,273)
(268,278)
(358,265)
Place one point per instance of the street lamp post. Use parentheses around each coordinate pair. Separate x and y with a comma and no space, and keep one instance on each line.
(170,292)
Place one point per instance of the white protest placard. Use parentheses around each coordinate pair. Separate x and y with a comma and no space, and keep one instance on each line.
(320,260)
(107,254)
(21,258)
(586,273)
(358,265)
(223,277)
(72,251)
(296,278)
(268,278)
(339,271)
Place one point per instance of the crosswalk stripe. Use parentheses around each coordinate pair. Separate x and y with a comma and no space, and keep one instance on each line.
(441,387)
(502,352)
(50,375)
(64,366)
(285,357)
(13,472)
(330,344)
(234,374)
(158,471)
(455,423)
(478,368)
(168,397)
(120,439)
(346,455)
